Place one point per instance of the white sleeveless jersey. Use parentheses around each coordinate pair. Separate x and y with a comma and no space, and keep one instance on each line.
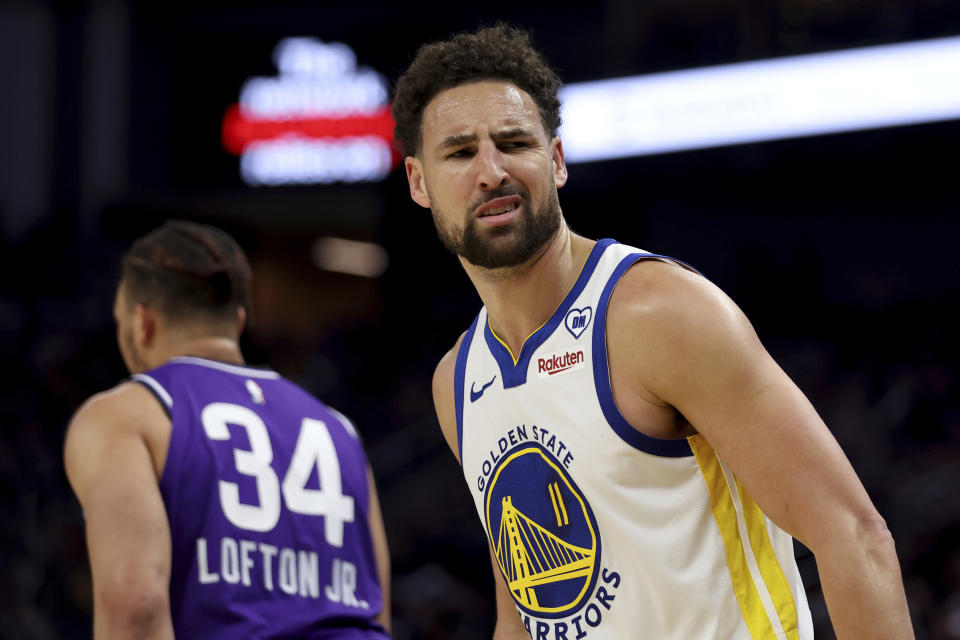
(602,532)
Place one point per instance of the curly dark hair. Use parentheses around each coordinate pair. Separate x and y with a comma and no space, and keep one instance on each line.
(189,272)
(500,52)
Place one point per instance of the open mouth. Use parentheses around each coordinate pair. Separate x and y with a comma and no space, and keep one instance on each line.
(499,206)
(497,211)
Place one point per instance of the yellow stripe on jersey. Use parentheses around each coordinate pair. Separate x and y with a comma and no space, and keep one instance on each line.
(505,345)
(553,499)
(769,566)
(563,508)
(725,514)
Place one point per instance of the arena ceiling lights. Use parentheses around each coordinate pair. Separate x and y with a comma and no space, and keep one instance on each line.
(325,119)
(807,95)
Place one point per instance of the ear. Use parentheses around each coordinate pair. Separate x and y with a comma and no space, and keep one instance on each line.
(145,325)
(559,164)
(241,320)
(417,181)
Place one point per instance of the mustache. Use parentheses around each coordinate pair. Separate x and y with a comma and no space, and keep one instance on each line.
(500,192)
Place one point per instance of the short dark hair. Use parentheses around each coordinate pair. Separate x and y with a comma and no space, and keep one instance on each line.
(188,272)
(500,52)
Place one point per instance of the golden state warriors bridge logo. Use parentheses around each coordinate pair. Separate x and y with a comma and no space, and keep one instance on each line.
(543,532)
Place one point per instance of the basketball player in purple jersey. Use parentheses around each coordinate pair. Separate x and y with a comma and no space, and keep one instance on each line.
(221,500)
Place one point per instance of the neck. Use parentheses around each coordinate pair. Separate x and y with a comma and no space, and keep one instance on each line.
(220,348)
(520,299)
(215,348)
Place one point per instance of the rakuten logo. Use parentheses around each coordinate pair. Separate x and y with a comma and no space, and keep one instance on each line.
(561,362)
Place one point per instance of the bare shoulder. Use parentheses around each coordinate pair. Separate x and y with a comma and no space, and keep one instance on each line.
(670,300)
(655,289)
(107,419)
(124,407)
(443,395)
(663,319)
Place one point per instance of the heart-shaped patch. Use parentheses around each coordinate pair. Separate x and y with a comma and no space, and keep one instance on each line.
(578,320)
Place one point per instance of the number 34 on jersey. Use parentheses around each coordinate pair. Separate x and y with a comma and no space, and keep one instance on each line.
(292,571)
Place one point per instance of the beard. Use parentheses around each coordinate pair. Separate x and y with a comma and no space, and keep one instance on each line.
(505,246)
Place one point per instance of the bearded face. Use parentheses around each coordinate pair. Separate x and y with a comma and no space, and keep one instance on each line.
(500,246)
(489,172)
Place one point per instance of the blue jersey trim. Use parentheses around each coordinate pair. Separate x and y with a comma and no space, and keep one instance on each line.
(459,374)
(514,375)
(601,375)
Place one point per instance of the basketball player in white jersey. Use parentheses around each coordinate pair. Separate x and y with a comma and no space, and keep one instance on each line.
(638,460)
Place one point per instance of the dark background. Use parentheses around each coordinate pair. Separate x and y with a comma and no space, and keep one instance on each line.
(841,249)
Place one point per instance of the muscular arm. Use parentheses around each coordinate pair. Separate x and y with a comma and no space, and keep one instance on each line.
(112,472)
(381,551)
(508,626)
(700,355)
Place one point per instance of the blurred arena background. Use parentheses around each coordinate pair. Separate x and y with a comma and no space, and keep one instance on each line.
(114,116)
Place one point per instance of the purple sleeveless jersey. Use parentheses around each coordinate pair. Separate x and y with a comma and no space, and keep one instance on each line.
(267,495)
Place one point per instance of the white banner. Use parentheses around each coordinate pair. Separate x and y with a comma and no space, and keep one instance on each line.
(791,97)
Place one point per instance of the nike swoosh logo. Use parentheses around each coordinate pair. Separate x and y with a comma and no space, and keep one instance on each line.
(474,394)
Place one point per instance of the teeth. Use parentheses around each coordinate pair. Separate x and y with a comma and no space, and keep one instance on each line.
(499,210)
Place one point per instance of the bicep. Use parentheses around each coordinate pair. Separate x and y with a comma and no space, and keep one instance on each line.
(127,529)
(128,537)
(763,427)
(707,362)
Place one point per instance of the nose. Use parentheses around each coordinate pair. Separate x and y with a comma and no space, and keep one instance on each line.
(491,173)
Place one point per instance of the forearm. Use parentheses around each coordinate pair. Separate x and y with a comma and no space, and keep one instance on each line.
(863,588)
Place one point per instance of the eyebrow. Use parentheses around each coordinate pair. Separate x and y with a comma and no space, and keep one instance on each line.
(456,140)
(515,132)
(466,138)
